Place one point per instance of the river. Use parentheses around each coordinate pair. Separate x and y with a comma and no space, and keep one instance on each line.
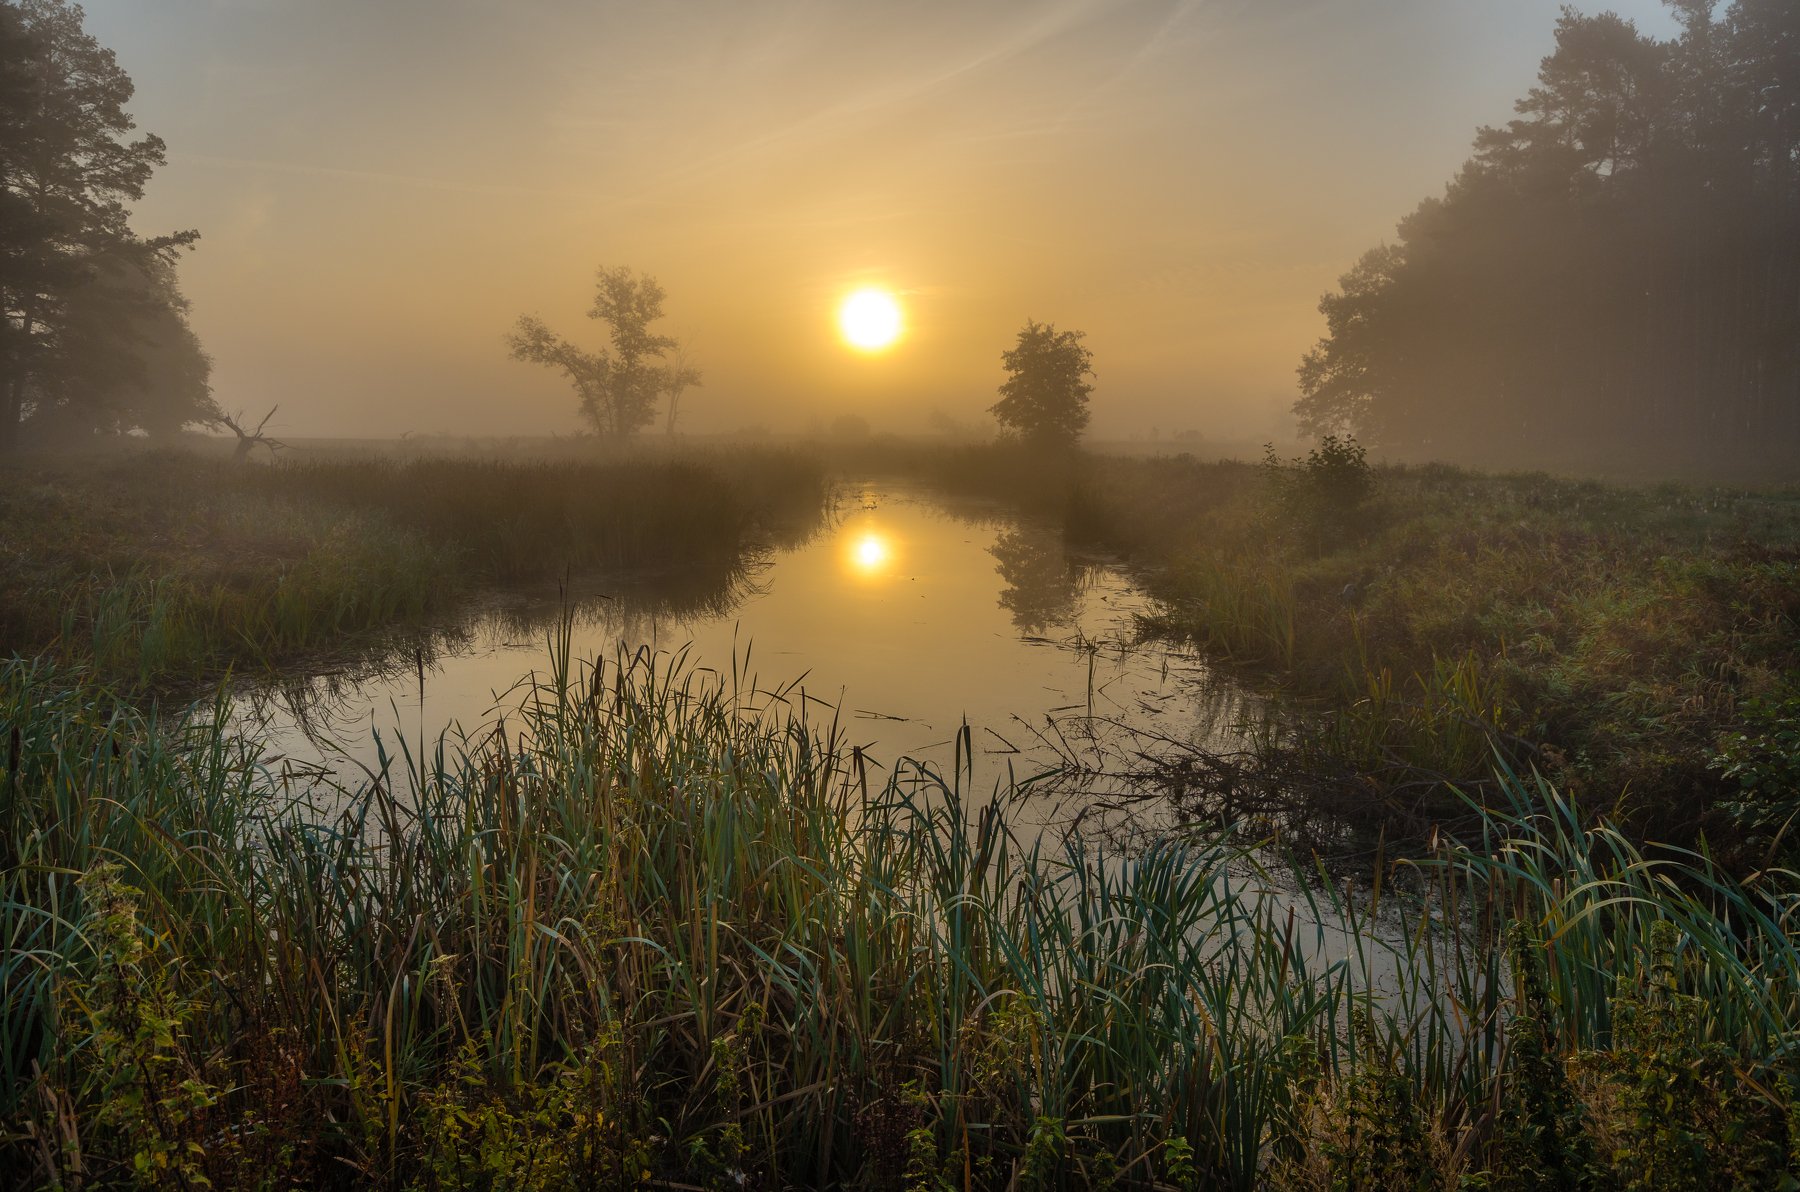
(908,612)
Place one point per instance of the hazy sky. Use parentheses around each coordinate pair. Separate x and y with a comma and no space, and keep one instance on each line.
(383,186)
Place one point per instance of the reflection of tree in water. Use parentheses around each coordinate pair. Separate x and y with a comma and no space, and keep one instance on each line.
(632,604)
(1042,582)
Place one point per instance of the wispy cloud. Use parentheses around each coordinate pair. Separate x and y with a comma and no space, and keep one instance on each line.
(382,177)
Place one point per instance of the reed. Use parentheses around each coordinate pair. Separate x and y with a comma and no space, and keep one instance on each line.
(659,925)
(166,566)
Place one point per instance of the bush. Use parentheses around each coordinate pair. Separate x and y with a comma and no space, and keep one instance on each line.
(1323,496)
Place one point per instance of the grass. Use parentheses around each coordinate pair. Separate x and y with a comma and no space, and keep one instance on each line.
(1626,641)
(1620,639)
(171,565)
(658,928)
(1609,636)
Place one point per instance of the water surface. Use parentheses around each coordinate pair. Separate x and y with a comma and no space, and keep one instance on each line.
(908,613)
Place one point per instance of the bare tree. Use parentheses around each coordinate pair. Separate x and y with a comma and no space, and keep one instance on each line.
(248,441)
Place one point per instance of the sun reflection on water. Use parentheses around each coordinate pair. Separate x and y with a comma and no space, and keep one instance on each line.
(870,554)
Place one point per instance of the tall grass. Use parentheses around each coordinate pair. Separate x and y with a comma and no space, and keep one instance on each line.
(659,925)
(513,521)
(359,575)
(160,566)
(1612,636)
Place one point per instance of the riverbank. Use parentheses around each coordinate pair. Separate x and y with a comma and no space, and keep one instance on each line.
(1636,645)
(162,566)
(1639,646)
(666,934)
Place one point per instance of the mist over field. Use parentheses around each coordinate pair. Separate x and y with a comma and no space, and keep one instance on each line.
(383,188)
(1090,594)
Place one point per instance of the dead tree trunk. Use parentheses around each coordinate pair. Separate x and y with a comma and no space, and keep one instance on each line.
(248,441)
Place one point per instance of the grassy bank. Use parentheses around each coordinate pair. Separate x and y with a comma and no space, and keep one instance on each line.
(1616,639)
(1639,645)
(668,936)
(175,564)
(1636,645)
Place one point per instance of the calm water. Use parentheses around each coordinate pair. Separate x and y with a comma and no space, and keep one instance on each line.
(909,613)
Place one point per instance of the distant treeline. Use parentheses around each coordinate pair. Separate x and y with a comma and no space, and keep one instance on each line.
(1614,277)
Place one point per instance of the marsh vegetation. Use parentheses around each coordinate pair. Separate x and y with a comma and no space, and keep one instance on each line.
(660,925)
(980,811)
(672,933)
(162,566)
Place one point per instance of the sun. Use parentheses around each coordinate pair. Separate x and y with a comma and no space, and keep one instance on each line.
(869,320)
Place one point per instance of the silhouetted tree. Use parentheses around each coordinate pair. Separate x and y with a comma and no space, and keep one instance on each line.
(249,440)
(174,388)
(679,375)
(125,357)
(67,171)
(1044,398)
(618,390)
(1616,272)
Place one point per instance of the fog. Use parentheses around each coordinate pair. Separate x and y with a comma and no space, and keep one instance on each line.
(383,189)
(866,594)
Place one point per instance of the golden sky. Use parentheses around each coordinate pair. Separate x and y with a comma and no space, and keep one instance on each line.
(383,186)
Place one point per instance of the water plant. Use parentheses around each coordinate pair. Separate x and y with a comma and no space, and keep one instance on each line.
(659,925)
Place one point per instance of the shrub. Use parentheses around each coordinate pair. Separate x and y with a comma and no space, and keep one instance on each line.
(1325,495)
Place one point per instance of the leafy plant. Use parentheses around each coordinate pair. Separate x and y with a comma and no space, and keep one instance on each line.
(1325,493)
(1763,759)
(152,1098)
(1676,1109)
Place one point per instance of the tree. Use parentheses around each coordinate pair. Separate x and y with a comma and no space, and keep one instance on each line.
(618,390)
(67,173)
(125,358)
(1044,398)
(249,440)
(1339,378)
(589,372)
(174,386)
(1614,276)
(679,375)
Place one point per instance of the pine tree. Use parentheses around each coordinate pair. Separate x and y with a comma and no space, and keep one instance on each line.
(68,170)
